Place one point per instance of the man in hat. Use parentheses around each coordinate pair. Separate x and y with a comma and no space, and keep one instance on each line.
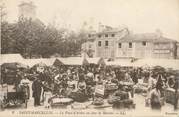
(37,89)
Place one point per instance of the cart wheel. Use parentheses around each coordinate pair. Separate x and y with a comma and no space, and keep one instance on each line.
(3,105)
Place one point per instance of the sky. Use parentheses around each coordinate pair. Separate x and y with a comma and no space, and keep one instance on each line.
(140,16)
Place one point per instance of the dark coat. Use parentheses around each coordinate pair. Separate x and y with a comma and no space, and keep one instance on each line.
(36,88)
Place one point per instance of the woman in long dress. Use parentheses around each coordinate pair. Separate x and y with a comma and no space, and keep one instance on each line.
(155,96)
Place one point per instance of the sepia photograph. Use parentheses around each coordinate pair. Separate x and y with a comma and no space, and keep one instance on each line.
(113,58)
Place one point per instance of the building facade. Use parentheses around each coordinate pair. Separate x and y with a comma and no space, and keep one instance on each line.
(177,50)
(148,45)
(105,42)
(122,44)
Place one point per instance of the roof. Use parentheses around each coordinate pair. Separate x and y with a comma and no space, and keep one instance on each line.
(112,31)
(10,58)
(148,37)
(73,61)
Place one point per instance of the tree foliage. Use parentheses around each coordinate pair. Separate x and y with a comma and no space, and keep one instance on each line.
(31,38)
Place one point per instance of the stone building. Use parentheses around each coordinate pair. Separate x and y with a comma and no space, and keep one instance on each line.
(105,42)
(120,43)
(177,50)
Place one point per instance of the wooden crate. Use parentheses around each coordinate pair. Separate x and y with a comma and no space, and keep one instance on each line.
(170,95)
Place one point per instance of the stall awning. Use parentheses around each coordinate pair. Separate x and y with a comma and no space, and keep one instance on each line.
(46,61)
(166,63)
(96,61)
(74,61)
(120,62)
(10,58)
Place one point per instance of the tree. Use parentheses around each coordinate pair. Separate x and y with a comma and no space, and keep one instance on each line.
(7,41)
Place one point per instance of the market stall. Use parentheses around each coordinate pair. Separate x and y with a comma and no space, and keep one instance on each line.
(74,61)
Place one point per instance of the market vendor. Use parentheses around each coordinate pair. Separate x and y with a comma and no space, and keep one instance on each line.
(24,83)
(81,84)
(127,78)
(72,84)
(151,82)
(155,96)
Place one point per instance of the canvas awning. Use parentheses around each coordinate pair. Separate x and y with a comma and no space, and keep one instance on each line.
(11,58)
(46,61)
(166,63)
(74,61)
(120,62)
(96,61)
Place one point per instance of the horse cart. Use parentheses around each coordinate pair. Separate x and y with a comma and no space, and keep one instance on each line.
(12,93)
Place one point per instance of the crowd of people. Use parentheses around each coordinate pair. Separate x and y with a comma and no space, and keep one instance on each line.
(80,82)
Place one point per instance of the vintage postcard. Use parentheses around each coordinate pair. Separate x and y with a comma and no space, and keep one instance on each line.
(112,58)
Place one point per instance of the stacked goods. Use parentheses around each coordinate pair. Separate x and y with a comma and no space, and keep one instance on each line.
(99,90)
(98,101)
(170,95)
(111,86)
(110,89)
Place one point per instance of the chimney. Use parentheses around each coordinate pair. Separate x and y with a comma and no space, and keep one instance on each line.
(158,33)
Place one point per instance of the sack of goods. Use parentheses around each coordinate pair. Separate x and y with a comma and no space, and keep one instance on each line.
(140,90)
(98,101)
(78,96)
(111,86)
(118,96)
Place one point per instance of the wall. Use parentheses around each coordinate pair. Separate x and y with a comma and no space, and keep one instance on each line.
(124,51)
(164,50)
(150,50)
(105,51)
(177,51)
